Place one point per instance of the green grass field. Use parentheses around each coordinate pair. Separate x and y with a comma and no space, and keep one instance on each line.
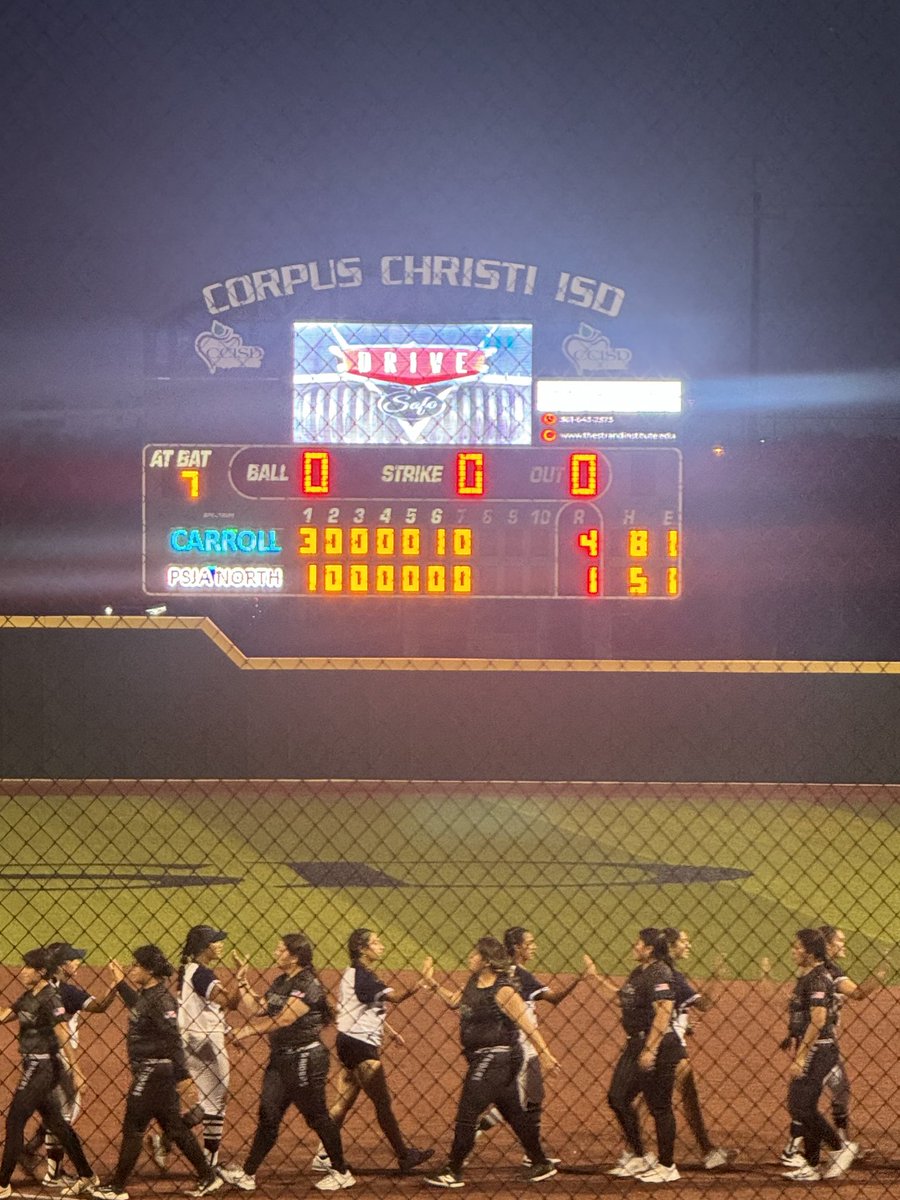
(435,865)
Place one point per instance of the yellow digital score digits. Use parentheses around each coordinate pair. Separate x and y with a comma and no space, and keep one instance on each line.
(386,542)
(641,578)
(191,480)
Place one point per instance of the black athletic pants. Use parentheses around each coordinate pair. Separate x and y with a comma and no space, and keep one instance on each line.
(153,1096)
(295,1077)
(803,1101)
(493,1078)
(37,1092)
(657,1086)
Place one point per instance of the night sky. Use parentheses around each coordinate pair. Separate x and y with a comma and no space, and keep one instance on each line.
(152,148)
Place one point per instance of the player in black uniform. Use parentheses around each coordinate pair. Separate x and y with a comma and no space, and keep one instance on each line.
(160,1076)
(491,1015)
(292,1014)
(688,998)
(66,960)
(43,1042)
(521,946)
(361,1025)
(649,1061)
(837,1081)
(811,1025)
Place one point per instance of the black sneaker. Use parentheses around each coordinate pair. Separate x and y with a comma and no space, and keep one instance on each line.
(413,1158)
(538,1171)
(445,1179)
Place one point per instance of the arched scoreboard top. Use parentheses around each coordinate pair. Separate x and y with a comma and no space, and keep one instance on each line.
(426,461)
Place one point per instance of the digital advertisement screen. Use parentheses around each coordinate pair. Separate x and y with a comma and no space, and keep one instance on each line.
(410,384)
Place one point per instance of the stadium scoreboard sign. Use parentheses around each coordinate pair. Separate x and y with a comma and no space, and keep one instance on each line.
(425,462)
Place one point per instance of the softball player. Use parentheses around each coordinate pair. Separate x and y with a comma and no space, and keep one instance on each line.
(65,960)
(361,1025)
(687,998)
(160,1078)
(837,1081)
(292,1014)
(649,1061)
(492,1015)
(202,1002)
(43,1042)
(811,1026)
(521,946)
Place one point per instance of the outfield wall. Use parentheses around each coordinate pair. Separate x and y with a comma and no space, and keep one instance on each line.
(130,697)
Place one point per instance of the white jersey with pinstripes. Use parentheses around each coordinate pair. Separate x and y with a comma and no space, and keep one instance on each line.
(198,1015)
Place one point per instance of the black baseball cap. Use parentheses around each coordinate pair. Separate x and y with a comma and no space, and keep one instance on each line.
(201,936)
(64,952)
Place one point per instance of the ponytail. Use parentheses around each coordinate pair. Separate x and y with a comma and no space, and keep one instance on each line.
(658,942)
(300,947)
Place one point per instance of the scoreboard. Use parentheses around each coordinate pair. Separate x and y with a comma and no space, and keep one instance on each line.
(425,461)
(500,522)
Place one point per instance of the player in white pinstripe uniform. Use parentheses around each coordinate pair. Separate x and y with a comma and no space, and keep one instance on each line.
(361,1024)
(202,1002)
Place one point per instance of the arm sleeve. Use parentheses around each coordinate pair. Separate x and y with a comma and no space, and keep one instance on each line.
(127,992)
(203,982)
(531,987)
(661,983)
(52,1008)
(74,998)
(368,987)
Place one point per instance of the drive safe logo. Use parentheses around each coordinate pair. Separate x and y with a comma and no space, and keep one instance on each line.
(444,384)
(414,371)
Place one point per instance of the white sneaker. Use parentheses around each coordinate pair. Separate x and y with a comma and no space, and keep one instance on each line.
(716,1158)
(321,1163)
(211,1184)
(81,1187)
(235,1176)
(660,1174)
(793,1160)
(805,1174)
(334,1181)
(841,1161)
(634,1165)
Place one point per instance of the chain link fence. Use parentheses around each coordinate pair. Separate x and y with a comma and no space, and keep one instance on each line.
(431,865)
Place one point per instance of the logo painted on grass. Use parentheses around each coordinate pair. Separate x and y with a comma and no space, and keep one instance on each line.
(71,877)
(534,874)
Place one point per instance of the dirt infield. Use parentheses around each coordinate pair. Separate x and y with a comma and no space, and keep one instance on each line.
(741,1075)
